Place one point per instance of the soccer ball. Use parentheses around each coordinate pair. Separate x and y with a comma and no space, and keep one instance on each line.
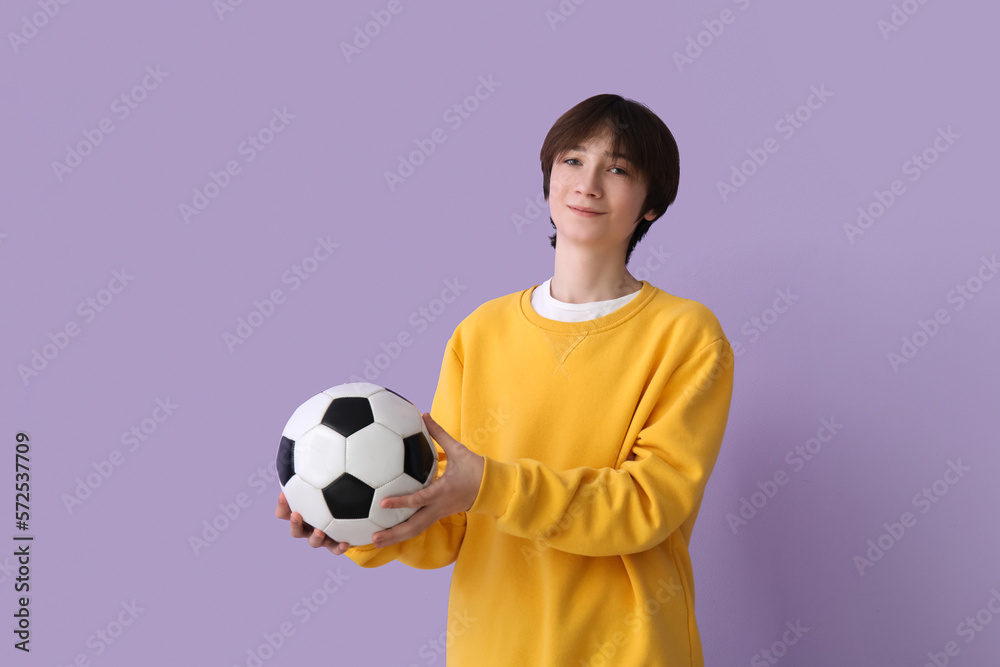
(346,449)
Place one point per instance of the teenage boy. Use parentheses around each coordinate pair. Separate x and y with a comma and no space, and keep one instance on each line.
(577,422)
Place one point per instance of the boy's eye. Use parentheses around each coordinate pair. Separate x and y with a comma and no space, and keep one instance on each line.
(621,170)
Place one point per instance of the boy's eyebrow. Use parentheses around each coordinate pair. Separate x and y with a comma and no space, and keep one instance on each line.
(581,149)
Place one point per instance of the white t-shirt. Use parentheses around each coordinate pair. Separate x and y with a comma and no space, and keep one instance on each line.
(543,304)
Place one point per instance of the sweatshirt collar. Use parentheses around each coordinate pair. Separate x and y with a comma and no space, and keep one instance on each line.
(597,325)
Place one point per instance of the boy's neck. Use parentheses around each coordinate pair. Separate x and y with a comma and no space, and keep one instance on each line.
(586,280)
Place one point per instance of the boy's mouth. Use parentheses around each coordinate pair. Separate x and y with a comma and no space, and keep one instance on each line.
(585,211)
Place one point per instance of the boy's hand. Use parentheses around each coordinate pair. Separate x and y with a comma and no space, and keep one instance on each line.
(454,491)
(299,528)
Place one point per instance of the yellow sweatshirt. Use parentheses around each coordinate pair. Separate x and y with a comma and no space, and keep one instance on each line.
(572,554)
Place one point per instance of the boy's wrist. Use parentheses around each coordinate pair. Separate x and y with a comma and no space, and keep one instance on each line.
(495,489)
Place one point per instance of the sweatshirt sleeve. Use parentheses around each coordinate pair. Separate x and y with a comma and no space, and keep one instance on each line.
(614,511)
(438,545)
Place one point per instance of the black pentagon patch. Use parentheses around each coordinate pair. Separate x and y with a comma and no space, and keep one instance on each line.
(348,415)
(284,462)
(417,457)
(400,395)
(349,498)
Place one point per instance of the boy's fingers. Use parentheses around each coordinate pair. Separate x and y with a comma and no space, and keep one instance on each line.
(441,436)
(435,430)
(317,538)
(415,525)
(298,527)
(282,511)
(415,499)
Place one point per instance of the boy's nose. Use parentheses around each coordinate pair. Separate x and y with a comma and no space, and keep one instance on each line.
(588,184)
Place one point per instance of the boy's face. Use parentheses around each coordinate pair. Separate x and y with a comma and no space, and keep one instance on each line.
(586,178)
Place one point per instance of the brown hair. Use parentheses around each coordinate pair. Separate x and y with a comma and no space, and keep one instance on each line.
(637,132)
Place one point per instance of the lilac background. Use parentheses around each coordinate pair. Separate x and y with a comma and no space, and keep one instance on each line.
(323,176)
